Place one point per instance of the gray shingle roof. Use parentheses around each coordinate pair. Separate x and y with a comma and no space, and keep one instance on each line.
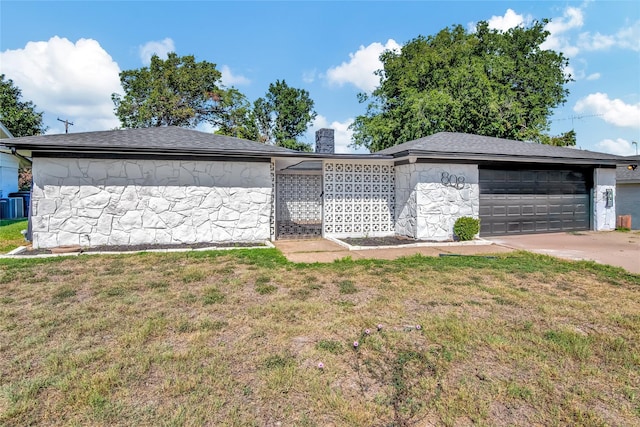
(167,140)
(629,176)
(462,145)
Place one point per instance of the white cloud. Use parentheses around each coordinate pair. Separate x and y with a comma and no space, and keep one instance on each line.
(619,146)
(557,27)
(625,38)
(597,41)
(614,111)
(359,71)
(510,20)
(569,71)
(160,48)
(71,80)
(309,76)
(342,134)
(594,76)
(230,79)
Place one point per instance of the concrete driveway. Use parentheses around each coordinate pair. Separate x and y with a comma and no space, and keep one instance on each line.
(620,249)
(614,248)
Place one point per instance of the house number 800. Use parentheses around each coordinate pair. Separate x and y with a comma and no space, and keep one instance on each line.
(452,180)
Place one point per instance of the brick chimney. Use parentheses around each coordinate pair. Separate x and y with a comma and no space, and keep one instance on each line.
(325,143)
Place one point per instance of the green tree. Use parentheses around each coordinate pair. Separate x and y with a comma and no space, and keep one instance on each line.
(19,117)
(177,91)
(485,82)
(235,116)
(283,115)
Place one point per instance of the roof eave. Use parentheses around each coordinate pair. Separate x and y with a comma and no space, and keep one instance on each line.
(480,157)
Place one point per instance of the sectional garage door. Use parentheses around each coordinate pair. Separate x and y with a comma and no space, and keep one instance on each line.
(533,201)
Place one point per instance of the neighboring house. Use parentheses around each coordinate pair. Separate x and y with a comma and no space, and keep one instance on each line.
(628,190)
(8,166)
(172,185)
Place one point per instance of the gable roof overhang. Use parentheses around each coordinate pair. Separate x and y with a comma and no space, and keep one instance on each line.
(484,150)
(180,143)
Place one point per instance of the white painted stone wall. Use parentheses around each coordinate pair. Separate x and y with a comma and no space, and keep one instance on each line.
(604,218)
(426,208)
(93,202)
(406,208)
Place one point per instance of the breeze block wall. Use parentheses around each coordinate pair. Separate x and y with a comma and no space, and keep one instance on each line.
(430,197)
(94,202)
(359,198)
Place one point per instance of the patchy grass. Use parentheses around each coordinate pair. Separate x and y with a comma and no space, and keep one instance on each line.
(237,338)
(10,234)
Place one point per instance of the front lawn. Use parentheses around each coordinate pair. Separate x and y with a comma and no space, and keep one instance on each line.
(244,337)
(10,236)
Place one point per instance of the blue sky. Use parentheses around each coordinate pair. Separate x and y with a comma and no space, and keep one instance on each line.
(66,56)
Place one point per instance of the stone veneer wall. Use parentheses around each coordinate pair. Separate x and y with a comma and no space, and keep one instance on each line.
(406,207)
(93,202)
(427,205)
(604,218)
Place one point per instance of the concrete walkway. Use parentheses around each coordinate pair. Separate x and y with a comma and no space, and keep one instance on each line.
(613,248)
(322,250)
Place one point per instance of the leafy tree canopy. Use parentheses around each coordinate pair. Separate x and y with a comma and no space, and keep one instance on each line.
(177,91)
(19,117)
(283,115)
(485,82)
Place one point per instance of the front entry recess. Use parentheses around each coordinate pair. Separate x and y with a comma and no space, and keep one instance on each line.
(298,206)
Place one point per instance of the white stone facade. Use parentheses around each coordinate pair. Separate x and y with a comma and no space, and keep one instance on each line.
(430,197)
(604,213)
(93,202)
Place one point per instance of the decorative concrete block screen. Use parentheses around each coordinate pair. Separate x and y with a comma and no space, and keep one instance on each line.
(93,202)
(299,205)
(359,199)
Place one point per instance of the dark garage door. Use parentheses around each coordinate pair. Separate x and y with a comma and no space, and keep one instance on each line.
(533,201)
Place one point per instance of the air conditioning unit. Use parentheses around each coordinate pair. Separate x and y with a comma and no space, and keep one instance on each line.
(11,208)
(16,205)
(4,208)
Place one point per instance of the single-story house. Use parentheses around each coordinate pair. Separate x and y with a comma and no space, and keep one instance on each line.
(172,185)
(628,190)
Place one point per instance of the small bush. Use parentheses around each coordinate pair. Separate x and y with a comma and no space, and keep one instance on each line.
(466,228)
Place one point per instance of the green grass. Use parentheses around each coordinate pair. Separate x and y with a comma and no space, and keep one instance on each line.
(235,338)
(10,236)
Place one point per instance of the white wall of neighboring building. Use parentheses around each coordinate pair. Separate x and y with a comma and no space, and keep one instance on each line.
(94,202)
(430,197)
(8,167)
(8,174)
(604,181)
